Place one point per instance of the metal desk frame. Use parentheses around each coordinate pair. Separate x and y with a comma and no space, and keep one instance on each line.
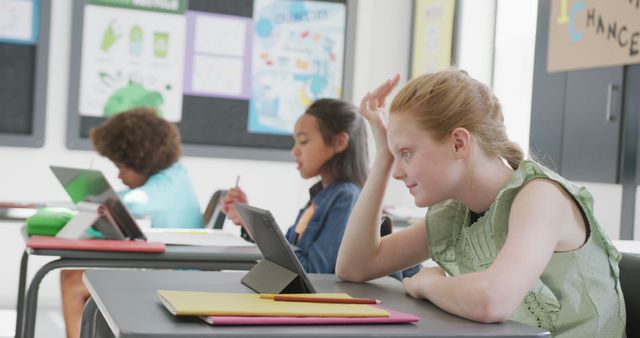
(209,258)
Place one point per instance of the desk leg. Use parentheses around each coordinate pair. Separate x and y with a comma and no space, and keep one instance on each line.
(93,323)
(102,329)
(31,303)
(89,313)
(21,294)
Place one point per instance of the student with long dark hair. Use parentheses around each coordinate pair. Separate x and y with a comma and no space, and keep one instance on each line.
(330,143)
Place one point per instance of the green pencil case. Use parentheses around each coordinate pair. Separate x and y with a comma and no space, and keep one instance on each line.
(48,221)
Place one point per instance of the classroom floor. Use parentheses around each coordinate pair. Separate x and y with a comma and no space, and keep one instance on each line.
(49,323)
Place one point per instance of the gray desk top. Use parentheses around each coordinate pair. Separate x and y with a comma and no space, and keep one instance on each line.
(128,302)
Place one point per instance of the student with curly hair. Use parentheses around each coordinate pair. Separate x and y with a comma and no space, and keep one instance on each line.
(146,150)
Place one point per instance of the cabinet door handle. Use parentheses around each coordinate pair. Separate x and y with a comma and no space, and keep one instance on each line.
(610,88)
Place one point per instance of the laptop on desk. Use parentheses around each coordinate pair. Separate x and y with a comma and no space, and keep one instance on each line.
(90,189)
(280,271)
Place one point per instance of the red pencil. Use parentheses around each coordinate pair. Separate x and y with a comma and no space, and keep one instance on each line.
(325,300)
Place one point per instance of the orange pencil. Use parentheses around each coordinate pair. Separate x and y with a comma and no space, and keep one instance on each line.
(325,300)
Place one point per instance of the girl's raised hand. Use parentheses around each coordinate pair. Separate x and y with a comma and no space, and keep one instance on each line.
(372,105)
(372,108)
(385,88)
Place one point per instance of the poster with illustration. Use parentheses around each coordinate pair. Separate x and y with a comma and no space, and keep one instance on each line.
(433,24)
(132,56)
(298,56)
(215,65)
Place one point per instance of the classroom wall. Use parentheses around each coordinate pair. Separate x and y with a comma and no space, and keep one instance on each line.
(382,50)
(260,179)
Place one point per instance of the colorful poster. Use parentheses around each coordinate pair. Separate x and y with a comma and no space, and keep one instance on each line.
(593,33)
(19,21)
(432,36)
(132,57)
(298,55)
(217,65)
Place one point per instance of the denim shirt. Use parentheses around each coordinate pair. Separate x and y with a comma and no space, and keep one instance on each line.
(317,248)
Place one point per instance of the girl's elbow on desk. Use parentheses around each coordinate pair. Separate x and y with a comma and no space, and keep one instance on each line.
(344,273)
(481,302)
(490,306)
(491,310)
(349,273)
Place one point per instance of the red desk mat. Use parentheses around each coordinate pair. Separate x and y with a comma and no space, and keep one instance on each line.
(46,242)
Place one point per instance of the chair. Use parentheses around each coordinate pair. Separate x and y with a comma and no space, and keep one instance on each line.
(630,283)
(213,215)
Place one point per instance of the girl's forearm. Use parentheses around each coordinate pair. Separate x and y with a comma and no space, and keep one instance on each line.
(362,235)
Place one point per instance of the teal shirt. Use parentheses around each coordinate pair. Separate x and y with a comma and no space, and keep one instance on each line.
(168,198)
(578,293)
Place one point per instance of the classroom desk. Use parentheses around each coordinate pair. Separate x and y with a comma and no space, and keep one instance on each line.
(175,257)
(124,304)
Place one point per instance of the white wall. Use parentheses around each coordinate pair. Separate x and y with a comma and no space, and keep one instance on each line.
(475,38)
(513,69)
(382,50)
(607,206)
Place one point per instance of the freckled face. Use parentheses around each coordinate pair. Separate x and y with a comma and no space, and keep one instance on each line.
(427,167)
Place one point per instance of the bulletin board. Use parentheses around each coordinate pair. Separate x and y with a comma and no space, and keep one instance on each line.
(24,47)
(233,75)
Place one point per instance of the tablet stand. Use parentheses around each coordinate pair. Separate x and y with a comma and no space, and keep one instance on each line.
(91,215)
(280,271)
(269,277)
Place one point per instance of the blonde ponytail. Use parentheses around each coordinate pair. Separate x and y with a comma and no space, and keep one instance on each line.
(512,153)
(449,99)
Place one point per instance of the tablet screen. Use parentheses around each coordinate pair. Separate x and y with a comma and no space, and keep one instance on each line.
(86,185)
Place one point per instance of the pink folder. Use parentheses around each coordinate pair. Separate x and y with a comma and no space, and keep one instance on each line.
(395,317)
(55,243)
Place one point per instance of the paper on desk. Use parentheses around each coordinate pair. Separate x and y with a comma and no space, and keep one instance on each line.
(199,303)
(202,237)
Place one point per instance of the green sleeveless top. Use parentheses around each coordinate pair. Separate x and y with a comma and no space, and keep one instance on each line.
(577,295)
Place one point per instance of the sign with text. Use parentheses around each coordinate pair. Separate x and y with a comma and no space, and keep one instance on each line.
(593,33)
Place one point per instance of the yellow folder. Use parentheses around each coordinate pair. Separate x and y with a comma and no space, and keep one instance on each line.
(194,303)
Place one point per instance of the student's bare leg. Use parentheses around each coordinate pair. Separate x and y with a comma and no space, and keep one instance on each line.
(74,295)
